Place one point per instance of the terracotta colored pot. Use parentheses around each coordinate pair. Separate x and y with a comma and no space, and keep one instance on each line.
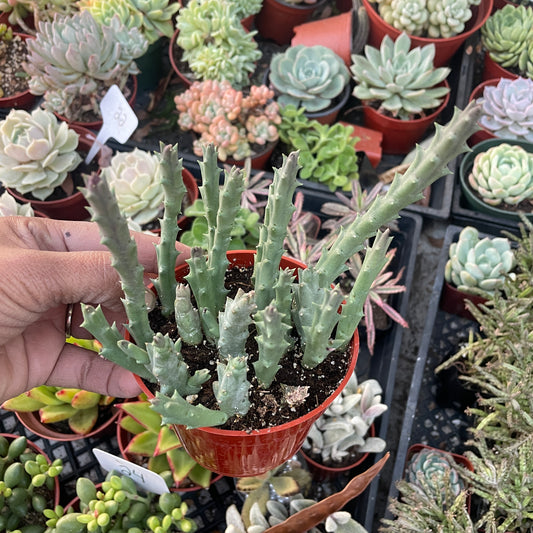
(258,161)
(445,48)
(321,472)
(97,124)
(492,70)
(24,99)
(32,422)
(123,439)
(453,301)
(241,453)
(400,136)
(483,134)
(36,449)
(332,32)
(184,79)
(472,199)
(69,208)
(277,19)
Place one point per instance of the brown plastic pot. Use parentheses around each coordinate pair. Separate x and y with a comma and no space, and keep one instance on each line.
(453,301)
(72,207)
(400,136)
(245,454)
(445,48)
(334,33)
(277,19)
(483,134)
(24,99)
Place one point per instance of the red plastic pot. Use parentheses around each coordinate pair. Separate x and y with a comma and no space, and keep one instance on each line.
(72,207)
(492,70)
(483,134)
(277,19)
(445,48)
(453,301)
(322,472)
(334,33)
(400,136)
(171,45)
(239,453)
(258,161)
(24,99)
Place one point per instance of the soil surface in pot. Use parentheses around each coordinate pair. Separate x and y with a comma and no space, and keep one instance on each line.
(13,79)
(268,406)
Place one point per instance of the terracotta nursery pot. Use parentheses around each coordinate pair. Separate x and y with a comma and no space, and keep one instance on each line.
(244,454)
(492,70)
(332,32)
(32,422)
(400,136)
(277,19)
(72,207)
(453,301)
(21,100)
(173,63)
(483,134)
(322,472)
(471,198)
(445,48)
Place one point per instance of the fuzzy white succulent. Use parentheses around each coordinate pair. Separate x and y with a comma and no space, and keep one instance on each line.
(37,151)
(136,179)
(10,207)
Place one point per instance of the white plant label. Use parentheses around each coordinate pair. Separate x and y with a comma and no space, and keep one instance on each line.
(142,477)
(119,120)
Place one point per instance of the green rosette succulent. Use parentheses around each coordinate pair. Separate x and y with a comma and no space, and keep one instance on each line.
(410,16)
(503,175)
(507,35)
(308,76)
(403,81)
(74,60)
(433,472)
(508,109)
(37,151)
(153,17)
(476,263)
(136,179)
(448,17)
(215,44)
(246,8)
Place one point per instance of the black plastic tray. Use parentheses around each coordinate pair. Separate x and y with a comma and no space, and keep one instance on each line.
(433,415)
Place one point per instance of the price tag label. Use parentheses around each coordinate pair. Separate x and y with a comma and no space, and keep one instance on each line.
(142,477)
(120,121)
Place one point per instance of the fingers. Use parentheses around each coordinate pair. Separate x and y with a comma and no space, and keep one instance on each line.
(84,369)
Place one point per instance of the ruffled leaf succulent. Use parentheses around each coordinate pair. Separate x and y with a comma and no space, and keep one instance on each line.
(503,175)
(215,44)
(74,60)
(507,35)
(403,82)
(476,263)
(508,109)
(153,17)
(308,76)
(37,151)
(136,179)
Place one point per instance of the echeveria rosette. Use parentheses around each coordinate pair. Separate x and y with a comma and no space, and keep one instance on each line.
(37,151)
(308,76)
(410,16)
(508,109)
(478,263)
(136,179)
(437,470)
(448,17)
(10,207)
(503,175)
(507,33)
(403,80)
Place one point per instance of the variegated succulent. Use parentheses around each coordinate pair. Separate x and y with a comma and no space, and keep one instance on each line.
(74,60)
(153,17)
(37,151)
(503,174)
(136,179)
(507,36)
(308,76)
(476,263)
(508,109)
(401,81)
(215,44)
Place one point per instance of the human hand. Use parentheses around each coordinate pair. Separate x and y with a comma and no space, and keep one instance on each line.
(44,266)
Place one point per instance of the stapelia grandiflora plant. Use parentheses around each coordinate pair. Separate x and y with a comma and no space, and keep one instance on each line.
(227,118)
(283,312)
